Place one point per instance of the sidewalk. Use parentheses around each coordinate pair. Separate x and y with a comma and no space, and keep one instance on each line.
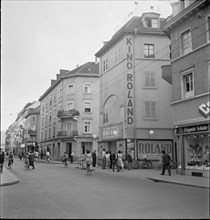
(7,178)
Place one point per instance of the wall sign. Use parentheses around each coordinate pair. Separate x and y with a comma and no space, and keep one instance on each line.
(129,65)
(204,109)
(193,129)
(112,131)
(153,148)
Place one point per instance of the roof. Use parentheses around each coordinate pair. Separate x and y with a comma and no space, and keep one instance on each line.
(87,69)
(135,24)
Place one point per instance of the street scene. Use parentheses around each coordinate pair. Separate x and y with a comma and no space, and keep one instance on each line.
(105,109)
(55,192)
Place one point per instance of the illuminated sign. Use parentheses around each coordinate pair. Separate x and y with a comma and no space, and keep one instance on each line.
(129,65)
(112,131)
(204,109)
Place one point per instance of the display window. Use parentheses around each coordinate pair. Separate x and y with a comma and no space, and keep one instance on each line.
(197,151)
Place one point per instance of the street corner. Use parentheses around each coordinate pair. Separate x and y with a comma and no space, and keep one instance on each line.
(8,178)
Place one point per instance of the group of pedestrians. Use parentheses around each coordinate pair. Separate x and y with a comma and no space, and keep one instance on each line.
(115,160)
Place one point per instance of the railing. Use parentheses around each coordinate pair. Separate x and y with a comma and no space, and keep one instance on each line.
(68,113)
(67,133)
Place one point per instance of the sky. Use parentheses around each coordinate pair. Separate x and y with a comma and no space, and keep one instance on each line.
(40,37)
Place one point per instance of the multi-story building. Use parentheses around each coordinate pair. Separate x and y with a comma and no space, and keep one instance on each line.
(32,127)
(189,73)
(70,112)
(135,112)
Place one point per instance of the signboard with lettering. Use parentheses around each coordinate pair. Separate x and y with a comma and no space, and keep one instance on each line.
(153,148)
(204,109)
(129,65)
(196,128)
(112,131)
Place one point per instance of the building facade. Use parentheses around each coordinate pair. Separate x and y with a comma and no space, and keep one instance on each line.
(70,112)
(135,112)
(189,73)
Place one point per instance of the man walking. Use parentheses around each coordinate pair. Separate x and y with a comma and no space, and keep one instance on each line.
(115,161)
(130,159)
(1,160)
(166,163)
(94,158)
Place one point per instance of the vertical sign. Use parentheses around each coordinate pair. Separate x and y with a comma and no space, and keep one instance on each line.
(129,66)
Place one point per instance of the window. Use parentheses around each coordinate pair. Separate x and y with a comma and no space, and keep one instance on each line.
(105,67)
(69,126)
(87,88)
(154,22)
(105,117)
(187,85)
(150,109)
(49,133)
(53,131)
(87,106)
(33,118)
(70,89)
(149,51)
(50,103)
(149,79)
(186,42)
(87,126)
(208,29)
(70,105)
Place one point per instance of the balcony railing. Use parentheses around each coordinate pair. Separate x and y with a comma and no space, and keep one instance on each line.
(70,134)
(68,113)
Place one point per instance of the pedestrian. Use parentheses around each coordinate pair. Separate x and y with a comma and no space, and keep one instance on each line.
(48,156)
(94,158)
(110,159)
(120,155)
(103,159)
(36,155)
(129,159)
(10,159)
(2,155)
(166,163)
(115,161)
(72,157)
(42,154)
(31,160)
(107,160)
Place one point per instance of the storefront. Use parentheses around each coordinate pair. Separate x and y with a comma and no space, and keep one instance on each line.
(112,140)
(195,144)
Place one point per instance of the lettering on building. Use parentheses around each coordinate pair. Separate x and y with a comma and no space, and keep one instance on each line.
(129,64)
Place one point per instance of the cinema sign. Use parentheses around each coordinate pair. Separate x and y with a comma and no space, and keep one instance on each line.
(153,148)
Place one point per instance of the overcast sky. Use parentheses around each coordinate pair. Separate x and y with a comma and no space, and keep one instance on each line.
(40,37)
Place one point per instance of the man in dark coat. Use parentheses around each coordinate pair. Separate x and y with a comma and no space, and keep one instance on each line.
(1,160)
(31,160)
(115,161)
(94,158)
(166,163)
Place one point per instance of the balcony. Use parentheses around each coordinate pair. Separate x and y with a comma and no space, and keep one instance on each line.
(70,134)
(167,73)
(62,114)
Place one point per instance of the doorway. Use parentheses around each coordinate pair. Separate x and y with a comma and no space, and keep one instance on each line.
(69,148)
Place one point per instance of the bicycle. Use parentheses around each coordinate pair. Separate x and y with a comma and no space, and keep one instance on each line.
(147,164)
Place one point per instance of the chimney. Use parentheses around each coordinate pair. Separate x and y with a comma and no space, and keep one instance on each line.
(175,8)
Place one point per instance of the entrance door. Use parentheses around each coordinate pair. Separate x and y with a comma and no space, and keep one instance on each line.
(69,148)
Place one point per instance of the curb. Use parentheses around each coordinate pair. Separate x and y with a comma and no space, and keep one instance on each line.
(10,183)
(177,183)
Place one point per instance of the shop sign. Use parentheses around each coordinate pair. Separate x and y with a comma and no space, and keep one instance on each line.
(153,149)
(129,64)
(193,129)
(112,131)
(204,109)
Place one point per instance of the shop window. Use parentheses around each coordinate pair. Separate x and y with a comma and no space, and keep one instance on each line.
(197,152)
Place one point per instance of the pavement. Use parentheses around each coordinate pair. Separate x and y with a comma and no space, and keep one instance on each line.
(8,178)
